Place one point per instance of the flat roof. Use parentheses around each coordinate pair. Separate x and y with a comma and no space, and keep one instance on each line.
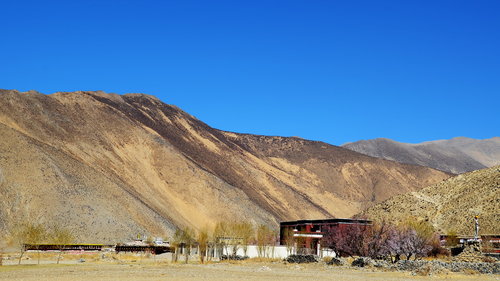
(326,221)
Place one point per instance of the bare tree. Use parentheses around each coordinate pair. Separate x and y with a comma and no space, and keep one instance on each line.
(188,240)
(203,244)
(61,237)
(241,233)
(221,234)
(247,232)
(229,237)
(183,238)
(266,238)
(176,242)
(28,233)
(289,240)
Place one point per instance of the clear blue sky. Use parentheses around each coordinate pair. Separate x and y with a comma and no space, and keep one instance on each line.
(335,71)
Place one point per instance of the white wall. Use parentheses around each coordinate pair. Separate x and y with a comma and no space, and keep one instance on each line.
(328,253)
(275,252)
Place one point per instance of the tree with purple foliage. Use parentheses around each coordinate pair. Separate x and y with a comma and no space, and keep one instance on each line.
(406,241)
(413,239)
(345,241)
(375,239)
(393,244)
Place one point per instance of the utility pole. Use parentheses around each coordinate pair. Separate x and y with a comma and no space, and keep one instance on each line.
(476,228)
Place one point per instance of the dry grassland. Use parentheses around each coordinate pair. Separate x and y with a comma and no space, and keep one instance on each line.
(133,267)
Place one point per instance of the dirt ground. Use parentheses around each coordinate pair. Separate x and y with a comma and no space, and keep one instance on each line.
(147,269)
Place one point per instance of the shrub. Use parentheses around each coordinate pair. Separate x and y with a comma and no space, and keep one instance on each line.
(233,257)
(362,262)
(302,258)
(335,261)
(452,238)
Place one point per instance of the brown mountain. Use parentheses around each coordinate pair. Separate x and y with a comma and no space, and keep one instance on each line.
(449,205)
(112,166)
(457,155)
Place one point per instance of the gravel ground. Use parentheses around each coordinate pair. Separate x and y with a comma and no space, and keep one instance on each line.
(215,271)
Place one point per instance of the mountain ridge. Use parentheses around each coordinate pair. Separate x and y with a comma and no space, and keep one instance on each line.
(450,205)
(113,166)
(456,155)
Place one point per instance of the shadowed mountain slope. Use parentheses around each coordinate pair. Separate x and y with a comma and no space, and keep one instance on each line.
(111,166)
(449,205)
(457,155)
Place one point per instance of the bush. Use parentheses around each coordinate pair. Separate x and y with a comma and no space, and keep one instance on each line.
(233,257)
(452,239)
(455,251)
(362,262)
(302,258)
(335,261)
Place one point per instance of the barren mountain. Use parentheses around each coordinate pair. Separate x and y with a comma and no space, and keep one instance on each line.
(449,205)
(457,155)
(111,166)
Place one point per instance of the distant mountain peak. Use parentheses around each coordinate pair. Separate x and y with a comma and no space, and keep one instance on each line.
(456,155)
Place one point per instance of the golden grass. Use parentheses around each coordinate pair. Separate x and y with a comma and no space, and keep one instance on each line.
(327,259)
(469,271)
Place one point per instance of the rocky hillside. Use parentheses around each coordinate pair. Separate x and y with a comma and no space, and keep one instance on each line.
(449,205)
(111,166)
(457,155)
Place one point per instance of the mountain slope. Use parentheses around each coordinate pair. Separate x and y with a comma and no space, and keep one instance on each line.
(113,166)
(449,205)
(457,155)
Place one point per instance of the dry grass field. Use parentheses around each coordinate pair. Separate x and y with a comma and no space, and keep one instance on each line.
(132,267)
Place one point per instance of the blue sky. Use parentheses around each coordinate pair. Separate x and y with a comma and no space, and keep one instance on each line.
(335,71)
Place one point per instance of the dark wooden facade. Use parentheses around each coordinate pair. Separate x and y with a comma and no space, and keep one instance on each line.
(155,249)
(68,247)
(307,234)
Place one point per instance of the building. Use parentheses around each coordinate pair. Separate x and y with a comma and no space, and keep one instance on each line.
(306,235)
(490,243)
